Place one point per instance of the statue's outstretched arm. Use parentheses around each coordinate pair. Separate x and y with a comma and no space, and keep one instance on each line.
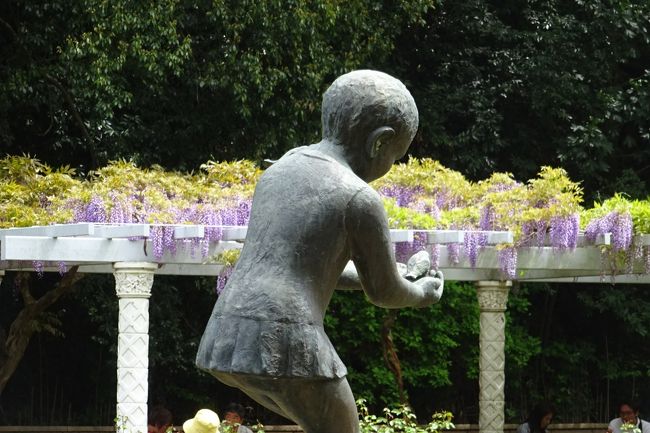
(372,254)
(349,279)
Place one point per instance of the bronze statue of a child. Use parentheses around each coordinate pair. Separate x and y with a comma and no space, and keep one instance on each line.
(312,213)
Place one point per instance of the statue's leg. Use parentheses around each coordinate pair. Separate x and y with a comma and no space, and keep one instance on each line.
(317,405)
(241,382)
(320,405)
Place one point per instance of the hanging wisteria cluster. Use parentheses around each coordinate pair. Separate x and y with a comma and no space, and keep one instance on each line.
(546,211)
(234,211)
(121,193)
(421,194)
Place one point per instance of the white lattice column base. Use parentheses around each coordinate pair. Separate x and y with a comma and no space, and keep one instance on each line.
(492,299)
(133,283)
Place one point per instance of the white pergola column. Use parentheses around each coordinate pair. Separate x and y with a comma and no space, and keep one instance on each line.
(133,281)
(492,300)
(2,274)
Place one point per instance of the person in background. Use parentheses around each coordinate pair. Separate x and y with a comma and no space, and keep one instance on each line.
(538,420)
(628,415)
(159,420)
(233,419)
(205,421)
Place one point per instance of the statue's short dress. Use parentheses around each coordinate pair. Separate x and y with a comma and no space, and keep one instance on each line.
(268,321)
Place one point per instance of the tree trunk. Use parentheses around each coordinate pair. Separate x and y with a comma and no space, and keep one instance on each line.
(390,354)
(23,327)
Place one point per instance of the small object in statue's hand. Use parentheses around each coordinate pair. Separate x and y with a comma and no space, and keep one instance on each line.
(418,266)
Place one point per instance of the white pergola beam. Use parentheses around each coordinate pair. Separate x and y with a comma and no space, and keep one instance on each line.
(601,239)
(445,237)
(397,235)
(187,269)
(189,232)
(542,258)
(54,230)
(234,233)
(86,249)
(121,231)
(596,279)
(94,246)
(494,238)
(91,249)
(458,236)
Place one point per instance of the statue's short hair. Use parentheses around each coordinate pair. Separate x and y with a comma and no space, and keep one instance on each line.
(361,101)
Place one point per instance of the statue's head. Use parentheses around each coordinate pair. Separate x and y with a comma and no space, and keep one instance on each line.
(361,101)
(370,111)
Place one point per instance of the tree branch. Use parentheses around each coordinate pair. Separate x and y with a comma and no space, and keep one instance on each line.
(23,286)
(9,29)
(23,328)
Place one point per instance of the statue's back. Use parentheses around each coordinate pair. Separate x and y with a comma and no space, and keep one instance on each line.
(269,318)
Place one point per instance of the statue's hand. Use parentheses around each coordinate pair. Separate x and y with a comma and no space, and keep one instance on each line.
(441,279)
(418,266)
(401,269)
(432,286)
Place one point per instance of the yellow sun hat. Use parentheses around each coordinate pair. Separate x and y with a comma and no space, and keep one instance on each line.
(205,421)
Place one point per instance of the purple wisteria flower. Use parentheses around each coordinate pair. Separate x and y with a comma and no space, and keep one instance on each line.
(156,237)
(508,262)
(563,231)
(229,216)
(445,200)
(121,212)
(471,247)
(435,256)
(169,243)
(527,233)
(616,223)
(486,221)
(243,212)
(39,267)
(404,196)
(95,211)
(622,232)
(453,251)
(189,214)
(540,231)
(632,255)
(212,219)
(222,278)
(404,250)
(434,211)
(162,239)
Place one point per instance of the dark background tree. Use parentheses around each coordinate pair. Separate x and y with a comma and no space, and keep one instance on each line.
(501,85)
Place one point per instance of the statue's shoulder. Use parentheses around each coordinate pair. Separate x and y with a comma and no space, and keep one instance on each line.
(365,195)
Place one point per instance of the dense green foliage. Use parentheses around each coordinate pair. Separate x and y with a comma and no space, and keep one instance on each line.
(511,86)
(223,79)
(401,419)
(501,87)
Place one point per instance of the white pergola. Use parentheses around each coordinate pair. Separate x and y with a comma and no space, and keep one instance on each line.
(103,248)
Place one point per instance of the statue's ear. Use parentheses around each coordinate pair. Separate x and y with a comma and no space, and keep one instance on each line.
(377,138)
